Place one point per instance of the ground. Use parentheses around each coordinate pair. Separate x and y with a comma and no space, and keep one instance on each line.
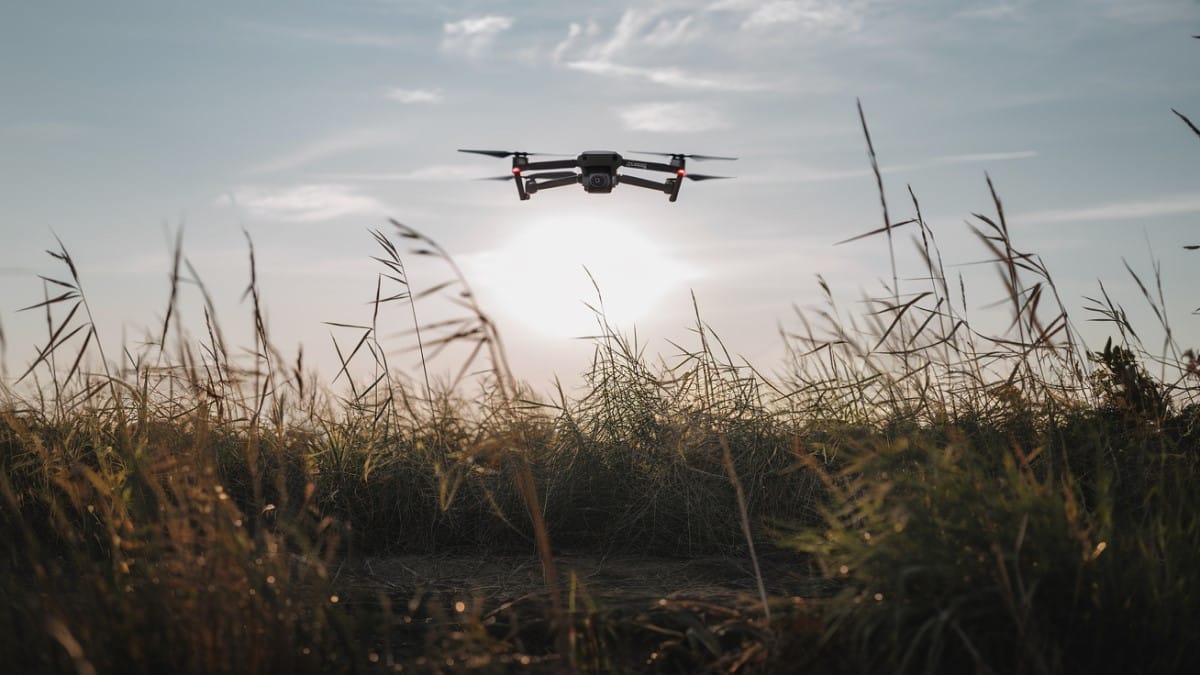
(629,612)
(614,579)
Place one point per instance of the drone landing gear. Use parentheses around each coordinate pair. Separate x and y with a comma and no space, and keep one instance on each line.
(522,192)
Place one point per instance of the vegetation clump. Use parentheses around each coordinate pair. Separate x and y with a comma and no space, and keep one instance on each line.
(912,494)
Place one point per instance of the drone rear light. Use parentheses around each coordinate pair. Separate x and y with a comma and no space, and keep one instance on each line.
(680,172)
(516,171)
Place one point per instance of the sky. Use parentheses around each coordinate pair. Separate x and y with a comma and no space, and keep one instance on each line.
(304,125)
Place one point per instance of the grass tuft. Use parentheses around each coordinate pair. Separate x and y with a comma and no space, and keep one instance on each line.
(912,494)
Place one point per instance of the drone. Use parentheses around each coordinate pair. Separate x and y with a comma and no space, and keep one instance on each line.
(597,171)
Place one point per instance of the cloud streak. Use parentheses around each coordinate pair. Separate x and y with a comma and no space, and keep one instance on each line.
(804,173)
(807,14)
(624,35)
(302,203)
(671,33)
(401,95)
(986,157)
(672,118)
(473,36)
(812,16)
(435,173)
(574,32)
(1129,210)
(637,35)
(331,36)
(996,12)
(327,147)
(667,76)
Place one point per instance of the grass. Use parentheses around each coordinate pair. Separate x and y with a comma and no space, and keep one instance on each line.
(940,499)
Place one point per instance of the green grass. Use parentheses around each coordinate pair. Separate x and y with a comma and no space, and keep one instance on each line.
(963,502)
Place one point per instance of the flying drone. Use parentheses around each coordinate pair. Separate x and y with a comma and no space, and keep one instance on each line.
(597,171)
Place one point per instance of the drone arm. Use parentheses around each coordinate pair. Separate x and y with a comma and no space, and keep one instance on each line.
(550,164)
(627,179)
(530,185)
(650,166)
(539,185)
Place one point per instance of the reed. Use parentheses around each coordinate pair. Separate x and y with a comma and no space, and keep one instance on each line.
(952,500)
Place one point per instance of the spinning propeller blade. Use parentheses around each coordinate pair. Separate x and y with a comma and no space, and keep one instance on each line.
(509,153)
(678,154)
(699,176)
(550,175)
(547,175)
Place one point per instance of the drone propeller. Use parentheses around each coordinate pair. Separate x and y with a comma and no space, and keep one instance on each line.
(551,175)
(699,176)
(547,175)
(676,154)
(509,153)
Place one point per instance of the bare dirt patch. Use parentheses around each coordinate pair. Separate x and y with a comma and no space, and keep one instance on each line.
(615,579)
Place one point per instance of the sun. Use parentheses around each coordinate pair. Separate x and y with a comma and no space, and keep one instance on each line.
(539,279)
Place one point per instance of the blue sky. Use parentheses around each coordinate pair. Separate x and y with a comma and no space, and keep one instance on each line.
(309,123)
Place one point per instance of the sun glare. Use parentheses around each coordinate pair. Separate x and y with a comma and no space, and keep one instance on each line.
(539,279)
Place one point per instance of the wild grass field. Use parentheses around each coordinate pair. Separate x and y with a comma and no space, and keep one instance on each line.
(911,495)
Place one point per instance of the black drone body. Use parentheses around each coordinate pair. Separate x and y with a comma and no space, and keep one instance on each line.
(598,171)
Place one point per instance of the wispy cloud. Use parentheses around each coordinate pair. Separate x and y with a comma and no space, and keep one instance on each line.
(328,147)
(645,27)
(673,32)
(474,35)
(672,117)
(1145,12)
(624,34)
(574,32)
(986,157)
(401,95)
(1121,11)
(666,76)
(637,35)
(636,29)
(998,11)
(328,35)
(437,172)
(792,172)
(1130,210)
(302,203)
(809,15)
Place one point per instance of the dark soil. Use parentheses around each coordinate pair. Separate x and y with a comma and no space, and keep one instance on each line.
(611,579)
(625,613)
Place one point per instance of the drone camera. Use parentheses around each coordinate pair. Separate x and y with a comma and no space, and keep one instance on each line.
(599,183)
